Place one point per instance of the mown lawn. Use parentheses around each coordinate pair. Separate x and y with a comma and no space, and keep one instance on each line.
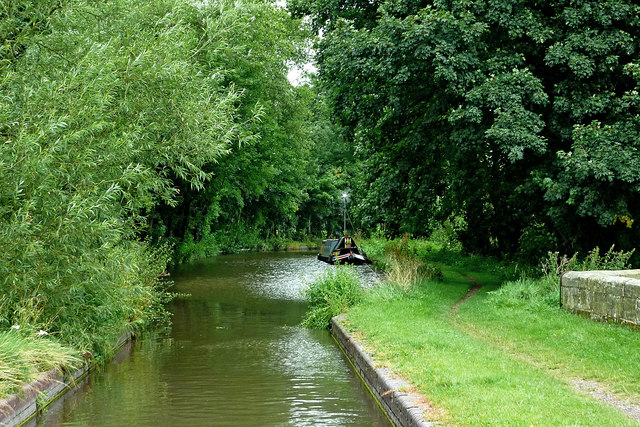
(491,364)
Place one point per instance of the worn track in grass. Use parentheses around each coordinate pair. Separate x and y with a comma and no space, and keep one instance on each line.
(594,389)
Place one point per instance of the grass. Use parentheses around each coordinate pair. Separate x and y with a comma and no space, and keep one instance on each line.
(331,294)
(23,358)
(500,359)
(560,342)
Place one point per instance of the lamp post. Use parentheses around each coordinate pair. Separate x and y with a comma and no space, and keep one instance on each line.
(344,197)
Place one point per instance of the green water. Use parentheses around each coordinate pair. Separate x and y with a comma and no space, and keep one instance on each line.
(234,356)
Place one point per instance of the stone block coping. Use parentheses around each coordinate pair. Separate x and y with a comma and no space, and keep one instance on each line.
(403,407)
(612,295)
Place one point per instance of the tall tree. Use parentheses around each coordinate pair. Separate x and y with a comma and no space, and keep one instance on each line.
(521,116)
(259,188)
(105,107)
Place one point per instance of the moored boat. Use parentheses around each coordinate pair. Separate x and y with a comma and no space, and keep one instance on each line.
(342,251)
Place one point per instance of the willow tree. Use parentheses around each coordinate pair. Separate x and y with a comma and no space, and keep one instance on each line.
(105,107)
(259,187)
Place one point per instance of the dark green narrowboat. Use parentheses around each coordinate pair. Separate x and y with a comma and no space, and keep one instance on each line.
(342,251)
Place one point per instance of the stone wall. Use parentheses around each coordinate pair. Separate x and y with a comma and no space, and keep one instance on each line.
(603,295)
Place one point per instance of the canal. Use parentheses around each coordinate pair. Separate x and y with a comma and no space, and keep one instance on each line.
(234,356)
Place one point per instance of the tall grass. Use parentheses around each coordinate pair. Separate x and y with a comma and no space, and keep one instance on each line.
(404,269)
(331,294)
(401,260)
(542,292)
(436,253)
(24,356)
(405,272)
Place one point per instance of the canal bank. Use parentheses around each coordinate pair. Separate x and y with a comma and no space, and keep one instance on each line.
(403,407)
(36,396)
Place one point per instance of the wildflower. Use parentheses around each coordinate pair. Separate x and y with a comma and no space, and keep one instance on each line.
(41,333)
(15,326)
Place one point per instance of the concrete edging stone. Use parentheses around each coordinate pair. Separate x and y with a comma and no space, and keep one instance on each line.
(402,407)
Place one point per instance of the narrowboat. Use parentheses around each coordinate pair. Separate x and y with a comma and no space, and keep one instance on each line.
(342,251)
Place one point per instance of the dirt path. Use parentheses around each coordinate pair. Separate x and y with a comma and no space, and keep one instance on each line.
(598,392)
(471,292)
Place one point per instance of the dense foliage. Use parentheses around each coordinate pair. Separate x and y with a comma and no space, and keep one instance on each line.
(113,112)
(138,132)
(519,119)
(281,181)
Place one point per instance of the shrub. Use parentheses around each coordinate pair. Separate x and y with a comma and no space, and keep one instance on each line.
(331,294)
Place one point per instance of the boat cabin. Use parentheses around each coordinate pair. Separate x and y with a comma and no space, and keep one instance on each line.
(343,251)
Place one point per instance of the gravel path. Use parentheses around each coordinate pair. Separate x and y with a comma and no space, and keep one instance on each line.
(598,392)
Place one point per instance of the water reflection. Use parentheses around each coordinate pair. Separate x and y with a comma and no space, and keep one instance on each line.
(234,357)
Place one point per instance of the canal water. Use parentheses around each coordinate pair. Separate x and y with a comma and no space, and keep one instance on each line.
(235,356)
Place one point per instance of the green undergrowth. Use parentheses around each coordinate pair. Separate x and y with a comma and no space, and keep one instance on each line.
(331,294)
(433,255)
(491,365)
(24,356)
(308,243)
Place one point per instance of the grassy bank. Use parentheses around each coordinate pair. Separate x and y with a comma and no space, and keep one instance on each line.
(24,356)
(508,355)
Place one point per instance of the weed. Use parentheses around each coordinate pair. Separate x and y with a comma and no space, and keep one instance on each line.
(42,399)
(555,264)
(331,294)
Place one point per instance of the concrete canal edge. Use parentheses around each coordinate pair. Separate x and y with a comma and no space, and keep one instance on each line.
(40,393)
(403,407)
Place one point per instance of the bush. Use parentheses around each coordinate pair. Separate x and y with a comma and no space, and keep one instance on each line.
(331,294)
